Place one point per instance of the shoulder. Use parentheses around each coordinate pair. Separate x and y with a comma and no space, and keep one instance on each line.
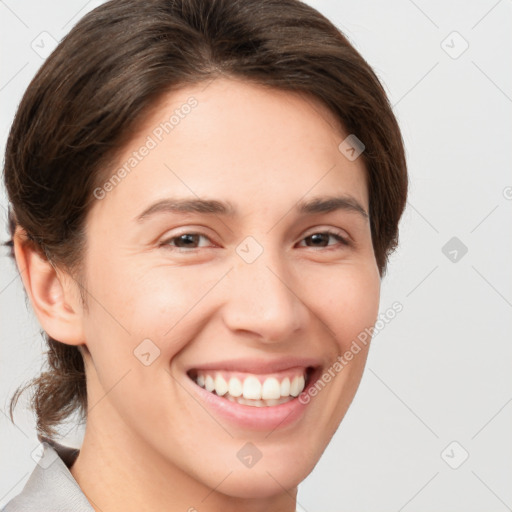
(51,485)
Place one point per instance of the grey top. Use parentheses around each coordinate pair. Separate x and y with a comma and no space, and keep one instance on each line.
(51,486)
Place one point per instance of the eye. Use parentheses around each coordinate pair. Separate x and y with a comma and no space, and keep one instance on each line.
(321,237)
(184,241)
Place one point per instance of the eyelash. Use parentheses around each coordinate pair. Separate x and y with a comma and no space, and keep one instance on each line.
(342,240)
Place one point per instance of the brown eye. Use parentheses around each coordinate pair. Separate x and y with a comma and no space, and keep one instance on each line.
(184,241)
(321,239)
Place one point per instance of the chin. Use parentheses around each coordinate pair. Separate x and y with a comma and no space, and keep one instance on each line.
(275,472)
(258,483)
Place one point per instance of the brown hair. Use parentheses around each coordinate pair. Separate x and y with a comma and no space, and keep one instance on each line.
(106,75)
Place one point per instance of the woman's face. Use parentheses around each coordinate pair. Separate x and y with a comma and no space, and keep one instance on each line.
(244,294)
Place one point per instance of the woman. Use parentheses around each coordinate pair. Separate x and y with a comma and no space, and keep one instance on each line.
(204,195)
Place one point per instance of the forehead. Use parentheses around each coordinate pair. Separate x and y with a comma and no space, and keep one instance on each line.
(249,145)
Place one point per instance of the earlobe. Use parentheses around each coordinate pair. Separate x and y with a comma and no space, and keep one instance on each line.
(53,294)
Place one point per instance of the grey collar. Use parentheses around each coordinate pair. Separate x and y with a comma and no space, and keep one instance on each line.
(51,486)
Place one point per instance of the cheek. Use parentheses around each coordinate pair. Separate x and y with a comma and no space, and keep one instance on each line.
(133,303)
(346,300)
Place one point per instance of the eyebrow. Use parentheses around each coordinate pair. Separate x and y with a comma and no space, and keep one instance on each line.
(324,204)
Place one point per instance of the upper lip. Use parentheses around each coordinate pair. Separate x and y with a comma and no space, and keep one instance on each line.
(258,366)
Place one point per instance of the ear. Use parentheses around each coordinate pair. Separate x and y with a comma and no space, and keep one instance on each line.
(53,294)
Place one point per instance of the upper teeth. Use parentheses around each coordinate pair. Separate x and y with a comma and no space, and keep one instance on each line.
(251,387)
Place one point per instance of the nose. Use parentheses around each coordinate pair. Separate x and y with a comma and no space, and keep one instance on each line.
(264,299)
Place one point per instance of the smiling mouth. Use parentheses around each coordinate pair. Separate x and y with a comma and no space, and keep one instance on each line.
(252,389)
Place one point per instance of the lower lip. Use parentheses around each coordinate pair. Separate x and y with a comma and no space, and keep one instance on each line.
(252,417)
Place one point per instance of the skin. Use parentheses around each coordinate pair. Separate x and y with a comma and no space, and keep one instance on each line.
(148,445)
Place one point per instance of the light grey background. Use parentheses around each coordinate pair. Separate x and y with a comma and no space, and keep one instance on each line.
(437,386)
